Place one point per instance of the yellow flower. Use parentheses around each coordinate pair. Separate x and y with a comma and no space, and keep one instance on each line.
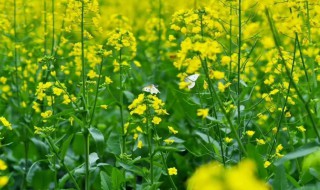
(172,171)
(301,128)
(250,133)
(266,164)
(108,80)
(46,114)
(139,129)
(228,140)
(4,180)
(92,74)
(140,109)
(57,91)
(140,144)
(203,112)
(279,148)
(104,106)
(172,130)
(3,165)
(156,120)
(5,123)
(169,141)
(260,141)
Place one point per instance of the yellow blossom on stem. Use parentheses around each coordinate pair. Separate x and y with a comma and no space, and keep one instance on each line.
(156,120)
(108,80)
(172,130)
(104,106)
(301,129)
(169,141)
(3,165)
(228,140)
(5,123)
(266,164)
(203,113)
(250,133)
(260,141)
(172,171)
(140,144)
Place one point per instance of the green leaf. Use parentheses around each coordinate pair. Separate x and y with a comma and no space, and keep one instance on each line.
(117,179)
(132,168)
(280,179)
(105,181)
(42,147)
(32,170)
(303,151)
(93,157)
(65,146)
(98,139)
(128,95)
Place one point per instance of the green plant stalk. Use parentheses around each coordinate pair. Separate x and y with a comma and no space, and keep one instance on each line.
(87,164)
(149,141)
(84,99)
(230,43)
(45,26)
(278,45)
(51,143)
(96,94)
(25,136)
(123,148)
(205,69)
(302,61)
(164,162)
(53,27)
(308,22)
(216,97)
(285,102)
(238,73)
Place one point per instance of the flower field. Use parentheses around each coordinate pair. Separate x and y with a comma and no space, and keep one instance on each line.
(163,94)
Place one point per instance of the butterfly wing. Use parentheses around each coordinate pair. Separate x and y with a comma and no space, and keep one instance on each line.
(191,80)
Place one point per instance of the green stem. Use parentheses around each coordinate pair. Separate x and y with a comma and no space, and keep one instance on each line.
(45,26)
(61,161)
(205,69)
(53,27)
(238,74)
(302,61)
(82,54)
(216,97)
(278,45)
(123,148)
(285,102)
(149,140)
(96,95)
(87,164)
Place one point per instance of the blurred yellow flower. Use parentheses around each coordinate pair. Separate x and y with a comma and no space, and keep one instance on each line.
(172,171)
(203,112)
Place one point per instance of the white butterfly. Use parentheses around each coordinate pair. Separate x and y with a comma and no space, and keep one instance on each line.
(151,88)
(192,80)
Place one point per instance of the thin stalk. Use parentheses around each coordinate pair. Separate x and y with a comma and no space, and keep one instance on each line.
(286,100)
(45,26)
(149,141)
(96,95)
(123,148)
(238,72)
(230,42)
(87,164)
(51,144)
(308,22)
(216,97)
(53,27)
(205,68)
(158,43)
(84,99)
(294,85)
(82,54)
(302,61)
(165,163)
